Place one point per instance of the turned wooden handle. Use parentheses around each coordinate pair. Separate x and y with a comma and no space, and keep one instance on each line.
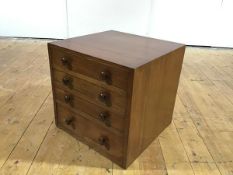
(104,117)
(104,141)
(106,76)
(65,61)
(67,80)
(69,120)
(104,97)
(68,98)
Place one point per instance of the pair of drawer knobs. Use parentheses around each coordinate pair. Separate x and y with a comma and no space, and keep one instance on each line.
(103,116)
(104,96)
(104,75)
(102,140)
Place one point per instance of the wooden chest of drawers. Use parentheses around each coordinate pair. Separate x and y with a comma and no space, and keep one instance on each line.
(115,91)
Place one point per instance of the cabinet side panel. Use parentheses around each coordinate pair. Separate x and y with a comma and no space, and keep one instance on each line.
(50,53)
(162,94)
(154,92)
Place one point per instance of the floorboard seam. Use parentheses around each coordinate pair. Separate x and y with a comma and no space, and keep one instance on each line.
(25,130)
(163,157)
(184,147)
(39,148)
(201,137)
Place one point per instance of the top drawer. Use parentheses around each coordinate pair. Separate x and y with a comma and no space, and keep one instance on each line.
(86,65)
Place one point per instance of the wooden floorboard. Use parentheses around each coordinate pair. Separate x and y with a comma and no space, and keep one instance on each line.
(198,142)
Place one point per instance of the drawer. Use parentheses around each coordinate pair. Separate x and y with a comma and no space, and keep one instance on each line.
(103,115)
(94,93)
(99,137)
(89,66)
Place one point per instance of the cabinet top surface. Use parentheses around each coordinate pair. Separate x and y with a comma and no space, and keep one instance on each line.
(121,48)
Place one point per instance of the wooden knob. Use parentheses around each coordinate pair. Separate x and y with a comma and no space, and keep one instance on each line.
(104,97)
(106,76)
(69,120)
(67,80)
(64,61)
(104,141)
(104,117)
(67,98)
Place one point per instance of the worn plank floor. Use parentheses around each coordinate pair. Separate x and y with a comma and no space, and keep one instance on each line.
(199,140)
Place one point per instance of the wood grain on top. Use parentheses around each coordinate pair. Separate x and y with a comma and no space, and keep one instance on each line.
(121,48)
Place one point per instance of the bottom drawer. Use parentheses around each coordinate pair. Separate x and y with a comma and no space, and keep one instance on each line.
(95,136)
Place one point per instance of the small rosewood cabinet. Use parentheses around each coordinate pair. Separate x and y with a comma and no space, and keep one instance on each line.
(115,91)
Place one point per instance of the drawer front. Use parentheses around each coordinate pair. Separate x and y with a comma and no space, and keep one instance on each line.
(108,142)
(86,65)
(104,116)
(97,94)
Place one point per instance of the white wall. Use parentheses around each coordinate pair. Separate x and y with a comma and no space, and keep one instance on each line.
(33,18)
(88,16)
(193,22)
